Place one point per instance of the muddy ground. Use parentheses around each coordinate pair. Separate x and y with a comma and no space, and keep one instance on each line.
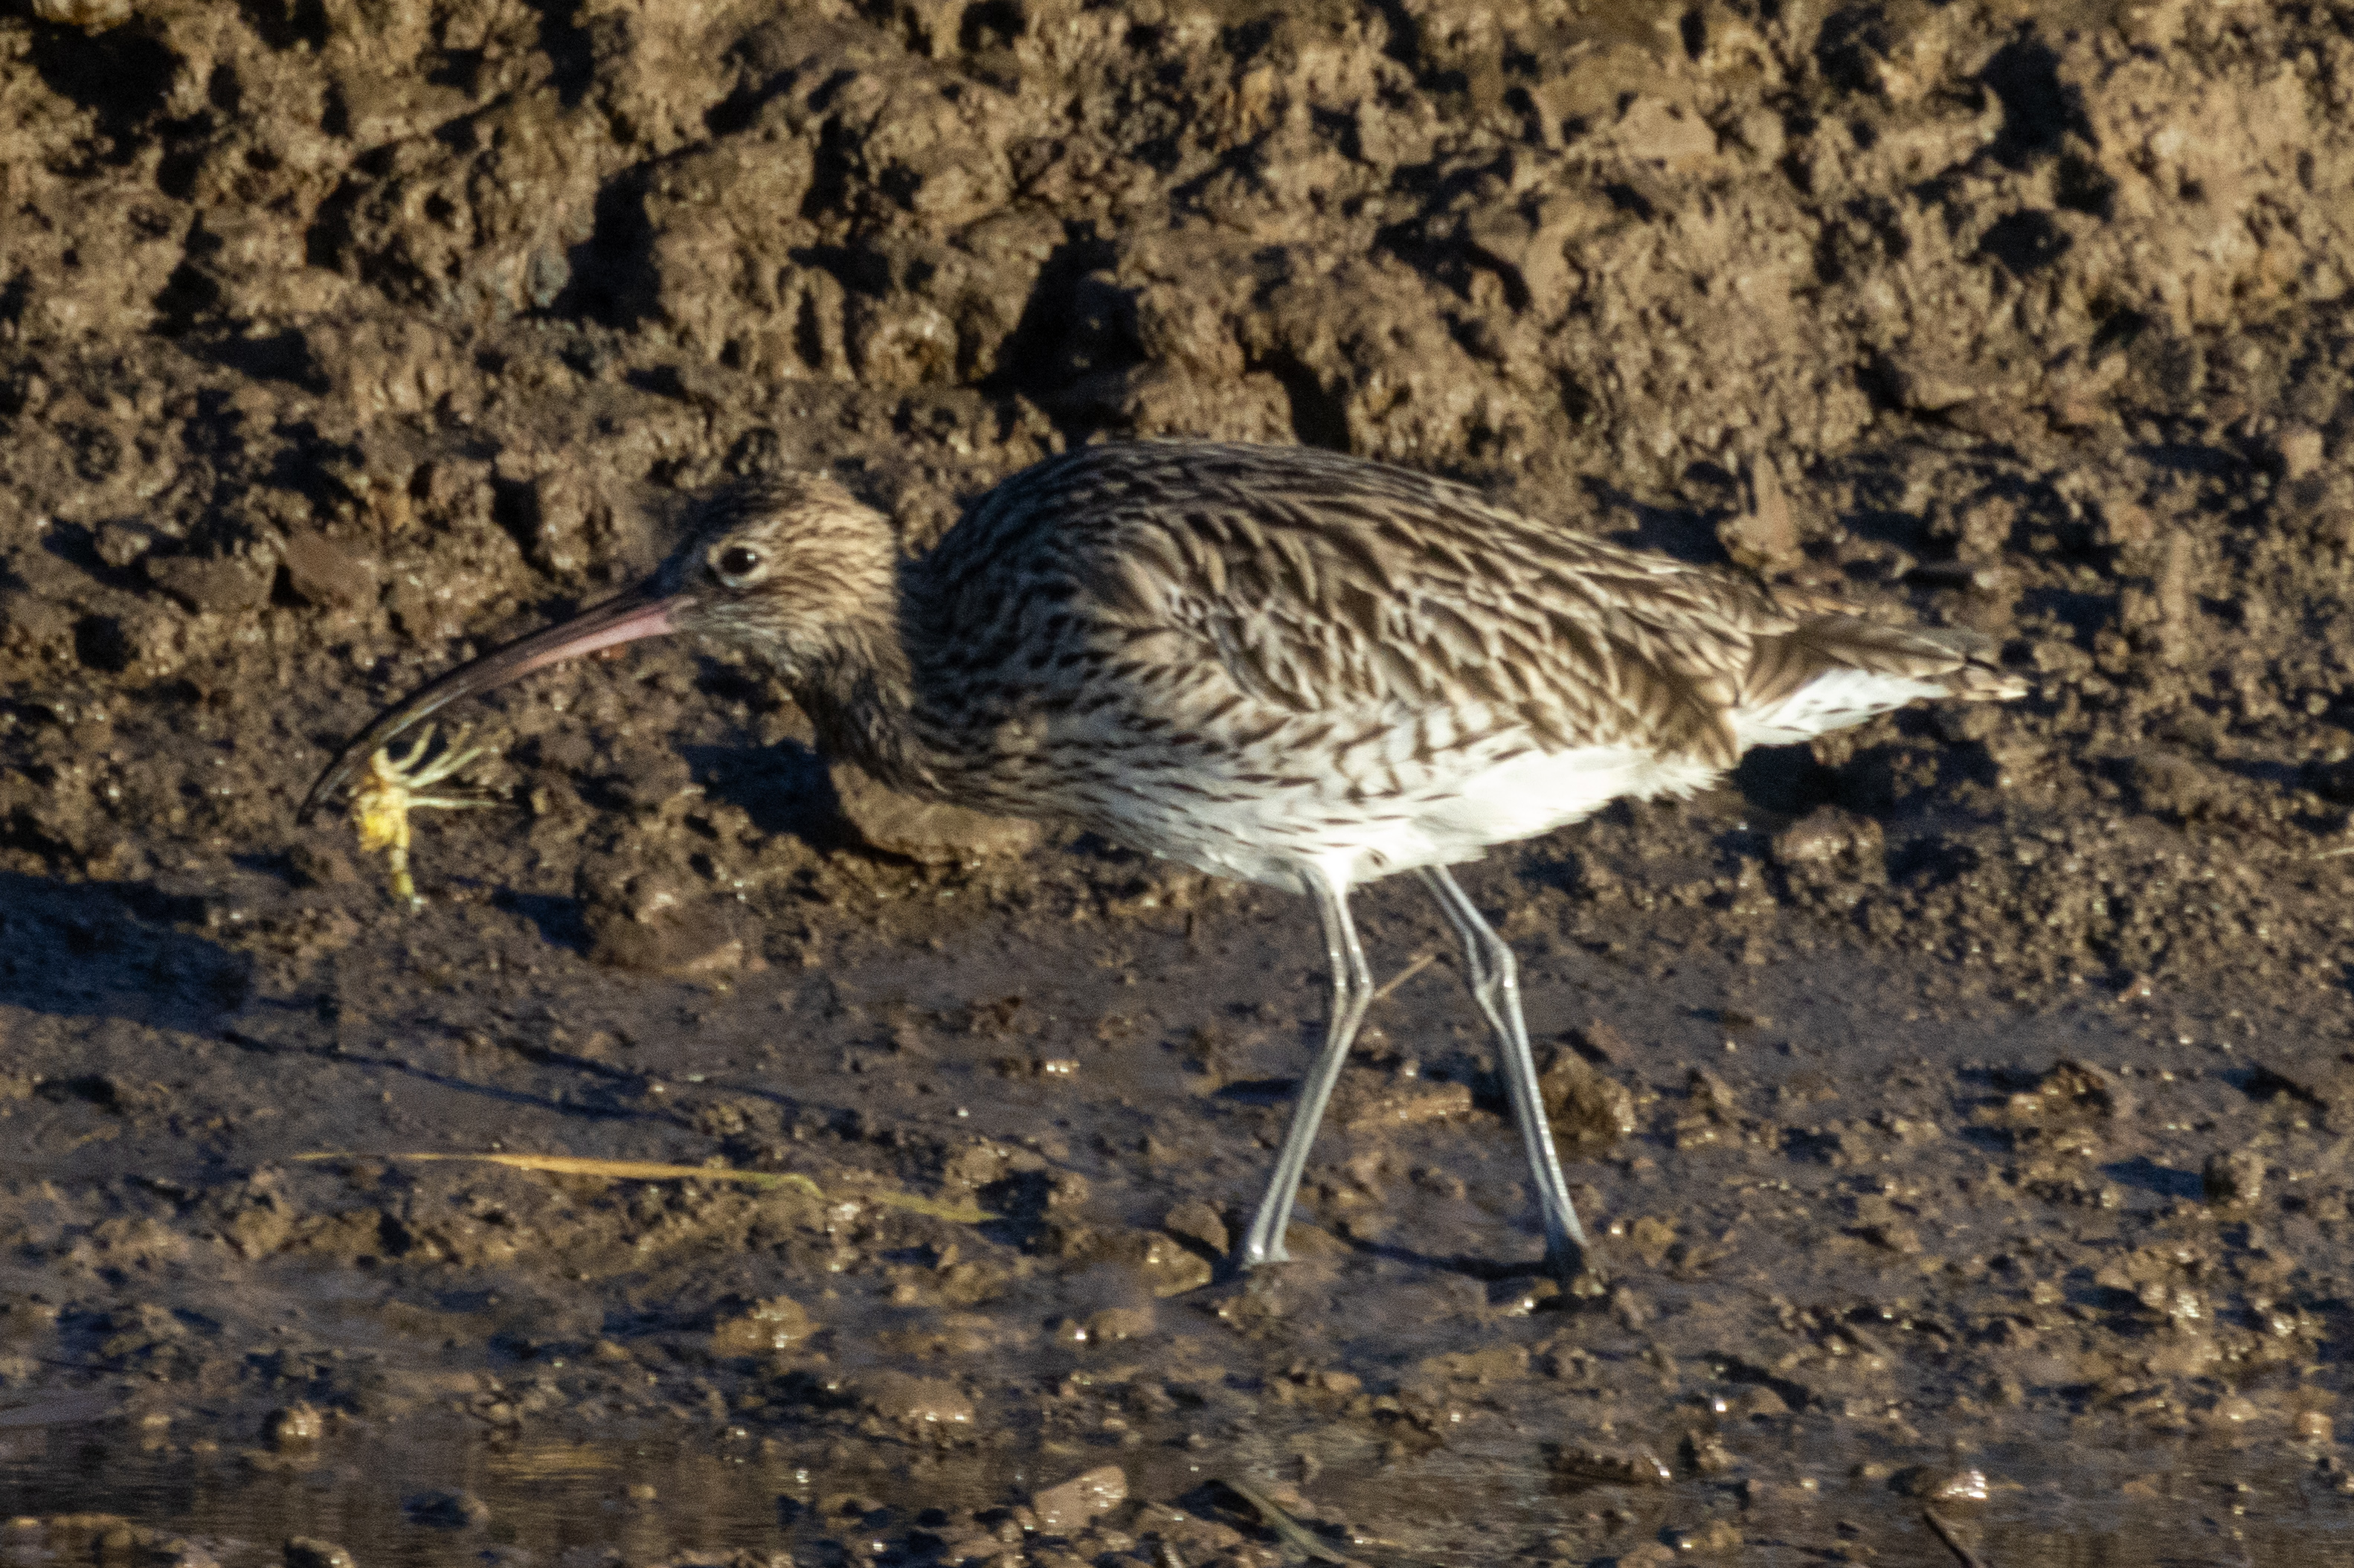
(1968,1098)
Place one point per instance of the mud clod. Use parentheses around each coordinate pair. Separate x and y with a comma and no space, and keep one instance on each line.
(1199,1222)
(776,1324)
(309,1552)
(295,1427)
(914,1403)
(657,922)
(1063,1509)
(323,573)
(1589,1110)
(2235,1179)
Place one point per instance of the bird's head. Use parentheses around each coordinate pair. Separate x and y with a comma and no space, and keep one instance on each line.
(779,567)
(791,569)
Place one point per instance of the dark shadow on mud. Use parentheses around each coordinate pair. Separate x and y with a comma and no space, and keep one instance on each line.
(1470,1266)
(783,789)
(1685,532)
(108,949)
(1259,1092)
(610,276)
(2151,1177)
(2202,461)
(122,77)
(608,1096)
(1020,1203)
(1784,781)
(561,922)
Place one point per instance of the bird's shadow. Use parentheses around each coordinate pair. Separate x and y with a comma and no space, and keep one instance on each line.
(593,1090)
(783,789)
(109,949)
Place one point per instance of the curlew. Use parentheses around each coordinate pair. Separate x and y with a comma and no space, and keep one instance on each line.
(1274,663)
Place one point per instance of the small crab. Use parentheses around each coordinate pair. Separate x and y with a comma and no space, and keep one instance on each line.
(381,805)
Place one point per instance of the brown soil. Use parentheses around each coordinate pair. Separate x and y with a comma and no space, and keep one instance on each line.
(1971,1095)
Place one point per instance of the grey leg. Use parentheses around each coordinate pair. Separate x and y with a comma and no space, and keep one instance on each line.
(1352,993)
(1495,981)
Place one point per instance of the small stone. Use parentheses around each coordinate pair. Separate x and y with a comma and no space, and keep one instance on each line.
(699,940)
(1757,1493)
(1069,1508)
(446,1511)
(2179,788)
(1589,1110)
(207,587)
(926,831)
(2076,1088)
(1119,1323)
(1937,1485)
(1198,1222)
(33,621)
(1658,129)
(2313,1427)
(179,1552)
(654,922)
(1598,1043)
(89,16)
(118,1538)
(2297,451)
(1408,1102)
(1650,1238)
(1166,1266)
(1960,1486)
(1825,834)
(1717,1535)
(309,1552)
(776,1324)
(1894,1236)
(1704,1454)
(316,865)
(1611,1467)
(1707,1089)
(120,545)
(1763,536)
(1630,1311)
(322,572)
(920,1402)
(292,1427)
(646,781)
(1169,1267)
(2235,1179)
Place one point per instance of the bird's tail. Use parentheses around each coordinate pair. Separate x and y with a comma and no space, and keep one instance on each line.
(1832,671)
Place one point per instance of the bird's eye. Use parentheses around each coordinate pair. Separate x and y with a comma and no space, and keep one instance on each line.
(737,563)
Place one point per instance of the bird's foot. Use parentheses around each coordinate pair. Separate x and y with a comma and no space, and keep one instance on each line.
(1580,1277)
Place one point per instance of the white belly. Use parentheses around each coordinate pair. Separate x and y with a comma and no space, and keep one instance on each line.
(1418,792)
(1443,820)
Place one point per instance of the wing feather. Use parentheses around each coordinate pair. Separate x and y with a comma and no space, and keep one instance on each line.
(1319,583)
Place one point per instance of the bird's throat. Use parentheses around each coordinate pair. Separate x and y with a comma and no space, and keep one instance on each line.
(861,700)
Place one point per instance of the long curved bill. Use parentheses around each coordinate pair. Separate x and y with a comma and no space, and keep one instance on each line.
(640,612)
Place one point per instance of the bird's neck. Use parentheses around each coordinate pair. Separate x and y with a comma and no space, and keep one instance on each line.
(861,698)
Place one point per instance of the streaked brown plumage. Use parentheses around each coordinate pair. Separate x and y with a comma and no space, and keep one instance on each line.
(1276,664)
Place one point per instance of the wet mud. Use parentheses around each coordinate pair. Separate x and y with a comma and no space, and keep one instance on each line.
(1963,1103)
